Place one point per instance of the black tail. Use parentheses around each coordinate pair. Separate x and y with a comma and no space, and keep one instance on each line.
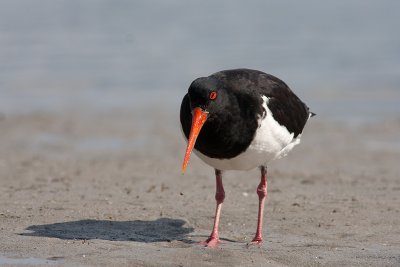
(310,114)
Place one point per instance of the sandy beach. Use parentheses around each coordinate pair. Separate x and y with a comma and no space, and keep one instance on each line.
(91,147)
(83,188)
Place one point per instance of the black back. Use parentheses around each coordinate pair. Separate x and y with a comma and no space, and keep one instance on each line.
(233,120)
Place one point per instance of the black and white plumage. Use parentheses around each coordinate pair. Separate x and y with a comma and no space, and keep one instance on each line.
(241,119)
(254,119)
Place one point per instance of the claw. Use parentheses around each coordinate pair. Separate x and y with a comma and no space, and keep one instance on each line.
(211,242)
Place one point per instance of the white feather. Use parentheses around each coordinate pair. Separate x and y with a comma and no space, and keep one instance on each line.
(271,141)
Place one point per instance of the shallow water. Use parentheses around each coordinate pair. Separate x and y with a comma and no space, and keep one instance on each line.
(342,58)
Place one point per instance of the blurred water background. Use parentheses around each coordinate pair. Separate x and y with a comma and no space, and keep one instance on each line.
(341,57)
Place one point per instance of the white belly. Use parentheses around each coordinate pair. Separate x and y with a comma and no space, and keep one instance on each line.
(271,141)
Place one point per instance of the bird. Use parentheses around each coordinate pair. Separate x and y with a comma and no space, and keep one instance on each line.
(240,119)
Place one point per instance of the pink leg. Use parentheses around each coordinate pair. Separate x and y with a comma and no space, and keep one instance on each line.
(262,194)
(213,240)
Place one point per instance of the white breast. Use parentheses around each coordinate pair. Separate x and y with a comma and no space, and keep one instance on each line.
(271,141)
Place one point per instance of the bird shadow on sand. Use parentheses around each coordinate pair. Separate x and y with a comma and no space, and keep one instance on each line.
(163,229)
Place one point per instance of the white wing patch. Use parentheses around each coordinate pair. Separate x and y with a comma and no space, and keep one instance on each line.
(271,141)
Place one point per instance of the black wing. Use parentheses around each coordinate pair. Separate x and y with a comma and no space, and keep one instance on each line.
(288,110)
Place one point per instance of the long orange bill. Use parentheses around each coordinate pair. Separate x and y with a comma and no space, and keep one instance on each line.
(198,120)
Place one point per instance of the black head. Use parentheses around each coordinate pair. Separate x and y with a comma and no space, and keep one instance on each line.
(208,94)
(222,116)
(205,99)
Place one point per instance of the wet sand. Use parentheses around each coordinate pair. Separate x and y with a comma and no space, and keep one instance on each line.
(105,188)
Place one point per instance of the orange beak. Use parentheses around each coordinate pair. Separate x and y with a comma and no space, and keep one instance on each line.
(198,120)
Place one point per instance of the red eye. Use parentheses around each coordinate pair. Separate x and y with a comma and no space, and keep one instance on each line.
(213,95)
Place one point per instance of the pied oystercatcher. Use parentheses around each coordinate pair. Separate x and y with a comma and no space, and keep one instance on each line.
(238,120)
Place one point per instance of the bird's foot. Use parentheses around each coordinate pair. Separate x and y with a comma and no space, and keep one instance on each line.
(256,241)
(211,242)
